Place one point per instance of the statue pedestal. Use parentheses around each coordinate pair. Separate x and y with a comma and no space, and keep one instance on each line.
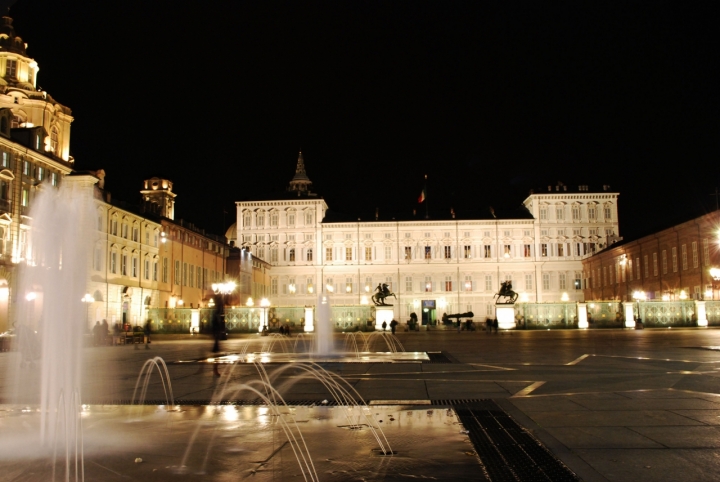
(506,316)
(383,313)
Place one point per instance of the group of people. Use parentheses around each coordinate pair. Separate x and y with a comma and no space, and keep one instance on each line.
(285,329)
(100,333)
(491,325)
(393,325)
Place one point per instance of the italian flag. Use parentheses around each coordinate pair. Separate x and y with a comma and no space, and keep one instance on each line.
(421,198)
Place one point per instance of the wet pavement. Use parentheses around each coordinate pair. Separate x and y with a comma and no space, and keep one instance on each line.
(610,404)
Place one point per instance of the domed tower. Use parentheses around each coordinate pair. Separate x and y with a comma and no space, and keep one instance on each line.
(19,93)
(300,182)
(158,197)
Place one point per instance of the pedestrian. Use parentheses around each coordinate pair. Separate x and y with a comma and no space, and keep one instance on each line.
(105,331)
(488,325)
(393,324)
(96,333)
(459,324)
(148,330)
(287,329)
(217,327)
(384,325)
(495,325)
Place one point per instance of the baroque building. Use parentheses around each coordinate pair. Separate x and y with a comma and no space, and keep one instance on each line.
(34,151)
(452,263)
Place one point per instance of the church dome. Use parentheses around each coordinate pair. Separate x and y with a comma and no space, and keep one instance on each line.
(9,42)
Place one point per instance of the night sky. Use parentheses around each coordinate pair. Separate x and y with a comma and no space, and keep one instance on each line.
(488,98)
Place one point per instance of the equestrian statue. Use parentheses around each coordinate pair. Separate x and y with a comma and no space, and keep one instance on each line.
(383,292)
(506,292)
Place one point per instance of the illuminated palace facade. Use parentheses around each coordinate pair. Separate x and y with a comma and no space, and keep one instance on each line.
(142,258)
(34,150)
(451,265)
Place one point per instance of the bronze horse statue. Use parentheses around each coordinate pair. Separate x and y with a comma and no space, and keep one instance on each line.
(382,293)
(507,292)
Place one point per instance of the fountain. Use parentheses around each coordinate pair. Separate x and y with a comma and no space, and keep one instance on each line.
(48,433)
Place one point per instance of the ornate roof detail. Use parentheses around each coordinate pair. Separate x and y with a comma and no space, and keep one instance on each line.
(300,182)
(9,41)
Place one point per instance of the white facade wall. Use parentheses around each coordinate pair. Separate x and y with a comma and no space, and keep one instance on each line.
(457,263)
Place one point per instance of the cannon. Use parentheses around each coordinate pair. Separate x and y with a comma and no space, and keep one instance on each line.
(469,314)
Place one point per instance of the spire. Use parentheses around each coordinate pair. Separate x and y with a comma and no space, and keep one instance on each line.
(300,182)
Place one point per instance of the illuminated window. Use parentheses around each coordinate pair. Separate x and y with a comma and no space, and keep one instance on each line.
(348,254)
(428,252)
(291,255)
(408,252)
(25,199)
(368,253)
(328,254)
(428,284)
(309,254)
(448,283)
(54,140)
(467,252)
(487,251)
(447,251)
(526,250)
(468,283)
(5,159)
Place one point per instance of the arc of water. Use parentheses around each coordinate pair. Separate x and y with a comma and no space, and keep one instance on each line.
(300,449)
(338,392)
(147,369)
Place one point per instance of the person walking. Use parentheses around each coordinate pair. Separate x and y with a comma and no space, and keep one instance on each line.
(384,325)
(495,325)
(218,329)
(393,324)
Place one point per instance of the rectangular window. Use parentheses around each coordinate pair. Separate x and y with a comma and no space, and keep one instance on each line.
(695,254)
(576,213)
(528,282)
(191,276)
(706,252)
(467,252)
(177,272)
(526,250)
(674,260)
(664,261)
(448,283)
(96,259)
(560,213)
(487,251)
(134,267)
(543,213)
(388,253)
(123,265)
(165,270)
(506,250)
(348,285)
(113,262)
(646,263)
(309,254)
(408,252)
(5,160)
(544,250)
(25,199)
(488,282)
(54,178)
(348,254)
(291,220)
(468,283)
(561,249)
(546,281)
(592,212)
(428,284)
(447,251)
(428,252)
(136,234)
(637,268)
(274,286)
(273,255)
(608,213)
(40,173)
(328,254)
(368,253)
(408,284)
(655,264)
(578,280)
(147,269)
(562,285)
(291,255)
(11,68)
(198,275)
(155,271)
(683,254)
(184,274)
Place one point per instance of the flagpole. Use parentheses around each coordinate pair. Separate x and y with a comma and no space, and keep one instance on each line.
(427,216)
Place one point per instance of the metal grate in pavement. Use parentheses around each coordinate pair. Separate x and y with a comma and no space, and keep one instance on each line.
(508,451)
(437,357)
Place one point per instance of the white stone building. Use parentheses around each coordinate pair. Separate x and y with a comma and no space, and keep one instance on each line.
(453,265)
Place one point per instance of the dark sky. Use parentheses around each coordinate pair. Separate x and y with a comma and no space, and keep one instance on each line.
(488,98)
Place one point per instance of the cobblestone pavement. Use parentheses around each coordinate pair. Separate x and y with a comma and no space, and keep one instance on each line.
(611,404)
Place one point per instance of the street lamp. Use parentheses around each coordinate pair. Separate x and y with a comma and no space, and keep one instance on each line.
(264,303)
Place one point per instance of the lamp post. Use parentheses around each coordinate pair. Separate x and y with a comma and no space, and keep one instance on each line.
(264,304)
(223,289)
(88,299)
